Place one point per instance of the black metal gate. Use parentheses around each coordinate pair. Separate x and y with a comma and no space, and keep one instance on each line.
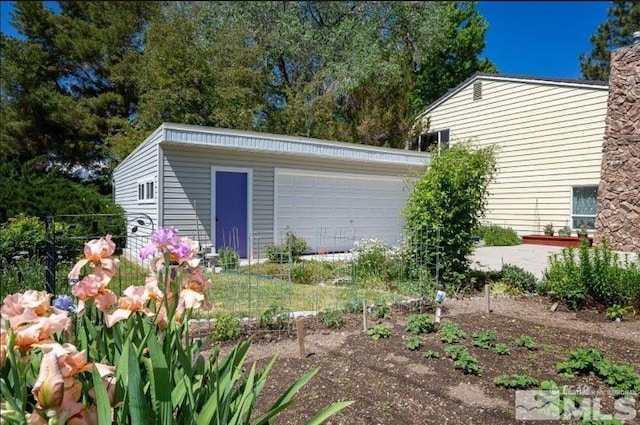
(65,236)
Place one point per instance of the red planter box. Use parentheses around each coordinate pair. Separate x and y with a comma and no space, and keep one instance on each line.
(565,241)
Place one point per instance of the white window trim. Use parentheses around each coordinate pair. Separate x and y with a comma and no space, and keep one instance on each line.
(572,215)
(146,199)
(439,133)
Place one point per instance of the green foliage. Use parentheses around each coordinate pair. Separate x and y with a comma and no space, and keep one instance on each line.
(600,276)
(302,272)
(565,231)
(484,339)
(225,327)
(462,359)
(446,206)
(516,382)
(331,318)
(616,31)
(616,312)
(353,306)
(374,262)
(420,323)
(494,235)
(30,189)
(378,332)
(431,354)
(381,311)
(274,318)
(413,342)
(501,349)
(525,341)
(451,333)
(21,233)
(289,251)
(228,258)
(591,361)
(519,278)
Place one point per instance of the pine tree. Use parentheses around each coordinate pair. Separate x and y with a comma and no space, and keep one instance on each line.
(622,21)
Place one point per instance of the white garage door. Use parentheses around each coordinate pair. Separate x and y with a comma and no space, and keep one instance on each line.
(331,210)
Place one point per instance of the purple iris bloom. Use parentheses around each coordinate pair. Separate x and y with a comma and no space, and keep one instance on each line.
(65,302)
(147,251)
(165,236)
(181,250)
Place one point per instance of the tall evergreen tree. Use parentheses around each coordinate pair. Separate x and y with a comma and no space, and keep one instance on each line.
(623,19)
(67,85)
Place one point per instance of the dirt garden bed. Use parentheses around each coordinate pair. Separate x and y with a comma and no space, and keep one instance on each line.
(392,385)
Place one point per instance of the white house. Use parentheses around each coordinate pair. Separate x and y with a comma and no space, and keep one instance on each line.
(245,189)
(549,134)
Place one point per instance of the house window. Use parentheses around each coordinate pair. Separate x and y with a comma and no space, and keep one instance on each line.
(434,138)
(583,206)
(146,191)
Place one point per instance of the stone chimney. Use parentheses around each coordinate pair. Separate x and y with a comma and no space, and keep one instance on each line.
(618,210)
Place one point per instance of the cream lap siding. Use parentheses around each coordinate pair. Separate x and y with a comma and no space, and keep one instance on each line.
(142,164)
(187,177)
(549,139)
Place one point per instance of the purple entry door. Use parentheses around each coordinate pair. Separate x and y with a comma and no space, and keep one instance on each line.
(231,211)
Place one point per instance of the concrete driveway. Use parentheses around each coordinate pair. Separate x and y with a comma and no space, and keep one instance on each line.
(533,258)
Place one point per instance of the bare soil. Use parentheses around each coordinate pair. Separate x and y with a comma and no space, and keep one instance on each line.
(393,385)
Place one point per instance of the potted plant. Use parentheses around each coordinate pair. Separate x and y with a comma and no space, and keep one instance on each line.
(565,231)
(548,229)
(582,232)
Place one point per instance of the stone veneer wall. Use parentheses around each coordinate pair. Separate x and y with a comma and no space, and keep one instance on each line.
(618,210)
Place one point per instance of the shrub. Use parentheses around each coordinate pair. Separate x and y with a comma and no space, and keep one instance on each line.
(228,258)
(353,306)
(302,272)
(599,276)
(373,262)
(21,233)
(378,332)
(226,327)
(331,318)
(420,323)
(381,311)
(493,235)
(451,333)
(289,251)
(275,317)
(446,206)
(519,278)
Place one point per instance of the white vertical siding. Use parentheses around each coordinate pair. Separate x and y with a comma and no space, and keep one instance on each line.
(549,139)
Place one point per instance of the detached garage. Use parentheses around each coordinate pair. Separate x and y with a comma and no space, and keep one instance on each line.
(246,189)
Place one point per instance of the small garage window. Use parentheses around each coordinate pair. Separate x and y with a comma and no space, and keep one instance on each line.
(432,139)
(583,206)
(146,191)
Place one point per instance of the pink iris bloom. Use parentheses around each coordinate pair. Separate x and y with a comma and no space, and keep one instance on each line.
(135,298)
(97,252)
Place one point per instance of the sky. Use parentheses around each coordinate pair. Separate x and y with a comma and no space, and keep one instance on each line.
(529,38)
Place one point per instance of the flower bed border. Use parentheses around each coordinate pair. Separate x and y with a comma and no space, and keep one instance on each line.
(563,241)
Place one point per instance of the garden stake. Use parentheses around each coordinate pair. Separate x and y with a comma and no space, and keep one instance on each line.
(364,314)
(300,329)
(487,299)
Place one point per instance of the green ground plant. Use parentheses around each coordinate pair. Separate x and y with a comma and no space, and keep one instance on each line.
(451,333)
(494,235)
(378,332)
(274,318)
(413,342)
(331,318)
(431,354)
(290,250)
(621,378)
(228,258)
(225,327)
(381,311)
(525,341)
(302,272)
(420,323)
(462,359)
(519,278)
(484,339)
(501,349)
(353,306)
(516,382)
(597,274)
(616,312)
